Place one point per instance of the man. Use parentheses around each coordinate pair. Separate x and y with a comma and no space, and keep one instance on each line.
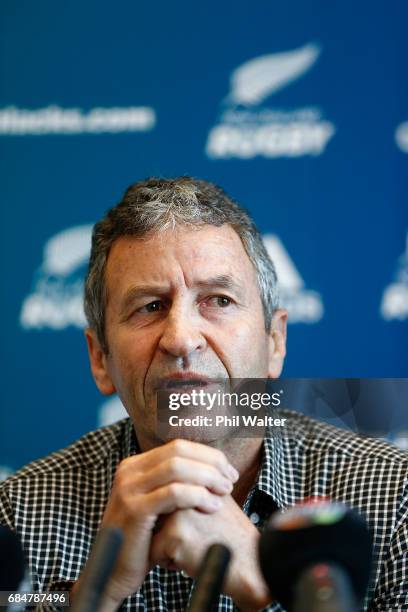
(180,290)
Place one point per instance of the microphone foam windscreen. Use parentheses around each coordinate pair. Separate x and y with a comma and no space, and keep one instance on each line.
(12,563)
(331,533)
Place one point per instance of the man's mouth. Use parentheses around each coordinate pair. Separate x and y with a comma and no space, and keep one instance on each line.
(182,381)
(184,384)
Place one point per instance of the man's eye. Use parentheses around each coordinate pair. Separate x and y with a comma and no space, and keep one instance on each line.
(155,306)
(220,300)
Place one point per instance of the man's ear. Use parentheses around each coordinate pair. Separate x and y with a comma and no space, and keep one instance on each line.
(98,362)
(277,343)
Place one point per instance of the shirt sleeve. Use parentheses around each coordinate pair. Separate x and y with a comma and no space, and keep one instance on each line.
(392,588)
(7,519)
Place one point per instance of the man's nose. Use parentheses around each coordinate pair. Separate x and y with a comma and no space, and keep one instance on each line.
(181,333)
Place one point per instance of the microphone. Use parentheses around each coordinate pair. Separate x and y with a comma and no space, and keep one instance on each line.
(12,563)
(210,579)
(316,557)
(98,569)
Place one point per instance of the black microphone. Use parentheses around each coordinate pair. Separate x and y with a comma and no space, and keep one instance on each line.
(316,557)
(210,579)
(12,562)
(98,569)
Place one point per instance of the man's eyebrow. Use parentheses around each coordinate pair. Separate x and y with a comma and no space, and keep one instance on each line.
(221,281)
(139,291)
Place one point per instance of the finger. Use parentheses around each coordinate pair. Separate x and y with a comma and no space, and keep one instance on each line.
(182,448)
(176,496)
(180,469)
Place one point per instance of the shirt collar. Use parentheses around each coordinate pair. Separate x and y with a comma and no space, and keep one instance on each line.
(130,445)
(279,471)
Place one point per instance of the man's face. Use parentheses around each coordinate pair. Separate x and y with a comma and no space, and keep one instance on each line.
(180,303)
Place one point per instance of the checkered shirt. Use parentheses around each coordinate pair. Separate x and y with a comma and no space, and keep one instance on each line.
(56,504)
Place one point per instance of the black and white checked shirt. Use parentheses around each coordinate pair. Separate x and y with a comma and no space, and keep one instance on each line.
(56,505)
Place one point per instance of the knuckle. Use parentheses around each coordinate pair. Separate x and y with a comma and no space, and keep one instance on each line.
(178,446)
(174,466)
(173,490)
(125,462)
(174,545)
(220,455)
(120,479)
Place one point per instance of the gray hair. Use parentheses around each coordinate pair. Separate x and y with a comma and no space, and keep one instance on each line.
(156,205)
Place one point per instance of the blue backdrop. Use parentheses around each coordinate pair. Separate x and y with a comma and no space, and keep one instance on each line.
(298,109)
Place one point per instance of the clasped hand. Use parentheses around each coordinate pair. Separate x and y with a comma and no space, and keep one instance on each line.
(171,503)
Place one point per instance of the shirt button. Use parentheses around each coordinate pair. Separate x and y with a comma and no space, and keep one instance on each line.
(184,574)
(254,518)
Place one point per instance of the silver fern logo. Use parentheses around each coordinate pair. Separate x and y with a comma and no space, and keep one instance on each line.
(246,129)
(57,295)
(259,78)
